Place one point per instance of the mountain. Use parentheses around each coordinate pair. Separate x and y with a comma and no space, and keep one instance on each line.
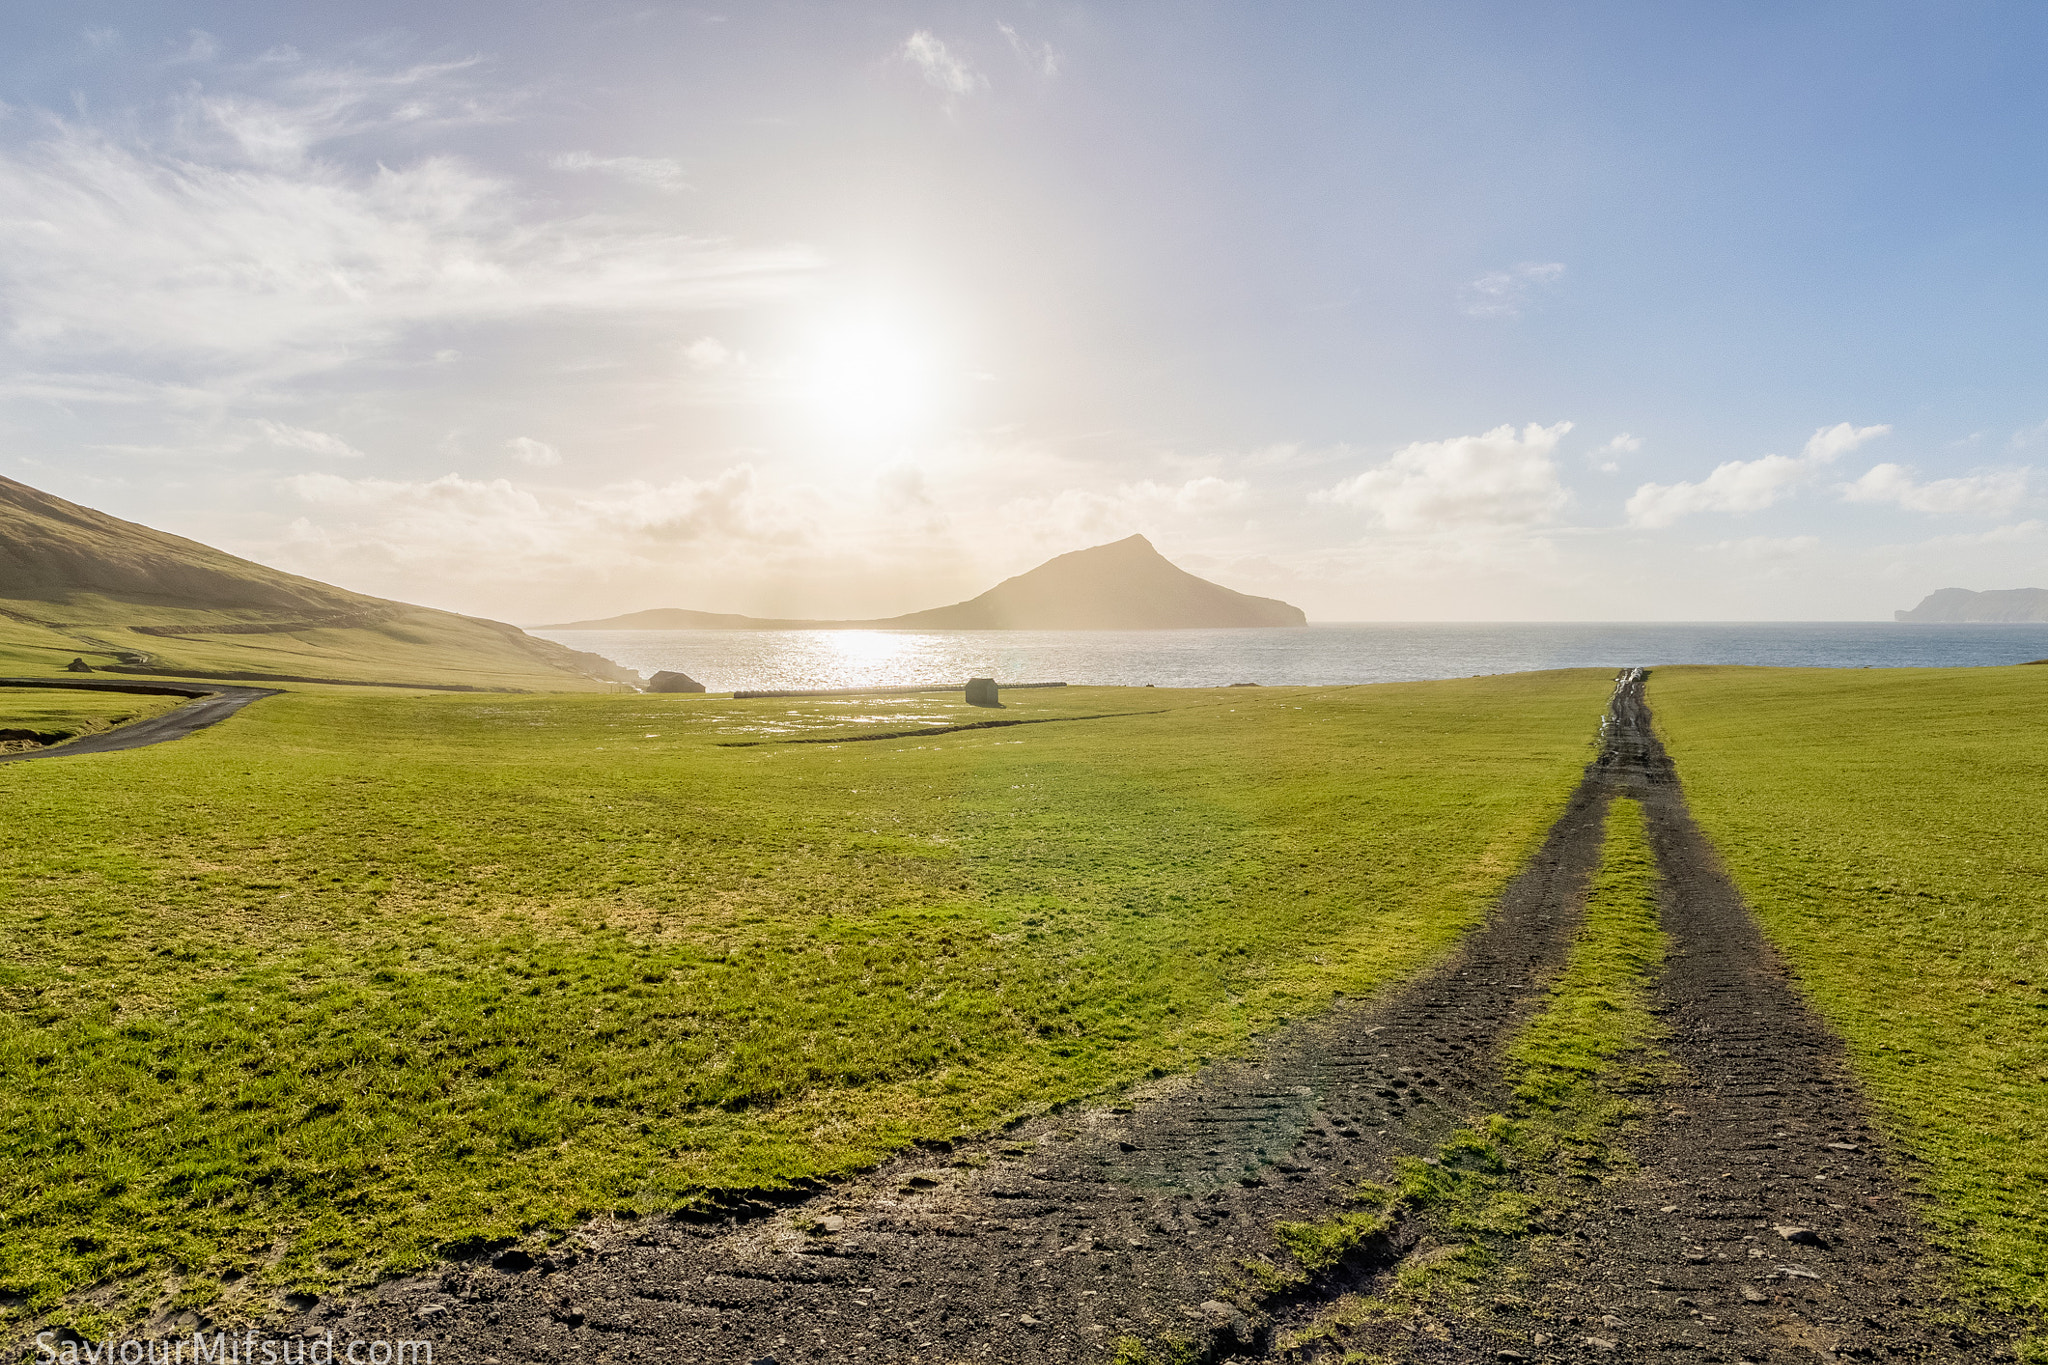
(1125,585)
(76,583)
(1960,604)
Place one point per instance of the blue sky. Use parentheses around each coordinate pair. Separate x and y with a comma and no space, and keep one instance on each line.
(1394,311)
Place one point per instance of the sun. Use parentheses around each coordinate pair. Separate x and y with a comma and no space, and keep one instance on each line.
(868,378)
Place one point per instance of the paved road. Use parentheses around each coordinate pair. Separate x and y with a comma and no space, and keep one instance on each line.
(211,704)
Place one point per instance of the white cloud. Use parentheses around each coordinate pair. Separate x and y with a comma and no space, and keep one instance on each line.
(1621,444)
(1831,443)
(655,172)
(940,65)
(1736,486)
(100,38)
(1746,485)
(1991,494)
(300,438)
(260,258)
(528,451)
(2027,436)
(498,530)
(708,353)
(1765,549)
(1505,293)
(1497,480)
(1041,59)
(202,47)
(309,106)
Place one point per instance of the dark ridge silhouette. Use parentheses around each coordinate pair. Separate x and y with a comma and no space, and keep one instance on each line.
(1125,585)
(1957,605)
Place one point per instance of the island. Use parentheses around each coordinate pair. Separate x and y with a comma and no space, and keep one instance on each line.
(1125,585)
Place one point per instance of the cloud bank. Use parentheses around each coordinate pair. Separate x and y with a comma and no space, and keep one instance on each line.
(1500,479)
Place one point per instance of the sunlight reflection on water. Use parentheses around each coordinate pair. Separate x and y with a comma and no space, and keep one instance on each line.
(1322,654)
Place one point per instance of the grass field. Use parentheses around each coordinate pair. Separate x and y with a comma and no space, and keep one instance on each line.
(355,981)
(1890,830)
(51,717)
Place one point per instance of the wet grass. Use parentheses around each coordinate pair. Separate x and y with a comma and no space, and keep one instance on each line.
(1889,829)
(49,716)
(355,982)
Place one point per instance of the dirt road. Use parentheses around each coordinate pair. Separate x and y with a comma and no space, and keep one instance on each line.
(211,704)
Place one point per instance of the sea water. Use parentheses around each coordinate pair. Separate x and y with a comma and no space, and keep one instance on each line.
(1318,654)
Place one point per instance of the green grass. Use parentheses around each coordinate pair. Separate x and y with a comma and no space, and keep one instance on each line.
(1507,1179)
(1890,830)
(355,981)
(53,716)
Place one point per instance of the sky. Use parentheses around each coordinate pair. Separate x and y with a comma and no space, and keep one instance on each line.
(1428,311)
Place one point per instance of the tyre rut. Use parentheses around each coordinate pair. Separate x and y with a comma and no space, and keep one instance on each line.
(1759,1128)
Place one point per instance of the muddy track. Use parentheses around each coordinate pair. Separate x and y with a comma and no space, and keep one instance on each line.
(1051,1241)
(1759,1127)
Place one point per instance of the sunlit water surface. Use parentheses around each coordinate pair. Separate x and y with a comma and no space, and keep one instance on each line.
(1323,654)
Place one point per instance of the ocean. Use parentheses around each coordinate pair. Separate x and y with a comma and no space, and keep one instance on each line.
(1317,654)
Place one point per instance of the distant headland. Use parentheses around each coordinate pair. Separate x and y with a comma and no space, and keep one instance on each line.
(1952,605)
(1125,585)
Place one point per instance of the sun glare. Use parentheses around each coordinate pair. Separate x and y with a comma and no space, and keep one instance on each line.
(868,379)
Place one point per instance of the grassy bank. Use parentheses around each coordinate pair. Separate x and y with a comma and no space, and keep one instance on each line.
(355,981)
(1889,829)
(36,717)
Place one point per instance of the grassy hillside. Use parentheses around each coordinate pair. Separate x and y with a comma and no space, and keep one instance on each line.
(75,583)
(1889,828)
(395,975)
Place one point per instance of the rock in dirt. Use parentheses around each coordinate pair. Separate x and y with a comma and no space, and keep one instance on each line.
(1798,1236)
(1602,1343)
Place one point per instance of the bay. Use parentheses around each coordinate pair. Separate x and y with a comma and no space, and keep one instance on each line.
(1315,655)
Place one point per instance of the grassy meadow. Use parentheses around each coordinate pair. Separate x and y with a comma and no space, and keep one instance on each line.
(355,981)
(36,717)
(1890,829)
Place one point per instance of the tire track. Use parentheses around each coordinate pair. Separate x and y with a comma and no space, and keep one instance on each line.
(1766,1221)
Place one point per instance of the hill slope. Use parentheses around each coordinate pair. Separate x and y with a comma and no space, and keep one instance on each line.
(1960,605)
(79,583)
(1125,585)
